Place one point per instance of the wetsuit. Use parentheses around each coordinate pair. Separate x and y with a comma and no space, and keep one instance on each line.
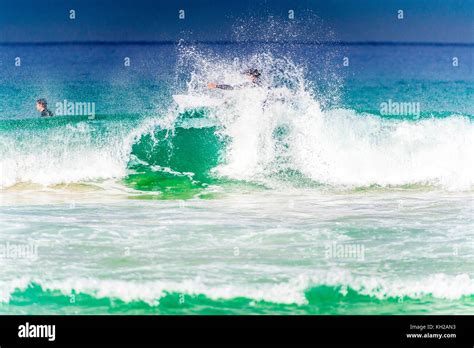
(241,86)
(46,113)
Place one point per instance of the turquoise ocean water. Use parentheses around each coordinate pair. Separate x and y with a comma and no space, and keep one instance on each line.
(301,196)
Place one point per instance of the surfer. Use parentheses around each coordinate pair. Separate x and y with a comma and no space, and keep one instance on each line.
(42,106)
(253,75)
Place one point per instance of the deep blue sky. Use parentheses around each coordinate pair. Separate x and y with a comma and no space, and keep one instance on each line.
(157,20)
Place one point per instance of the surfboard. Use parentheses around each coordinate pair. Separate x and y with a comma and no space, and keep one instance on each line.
(196,101)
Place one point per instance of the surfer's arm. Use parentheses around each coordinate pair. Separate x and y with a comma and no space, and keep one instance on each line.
(228,87)
(212,85)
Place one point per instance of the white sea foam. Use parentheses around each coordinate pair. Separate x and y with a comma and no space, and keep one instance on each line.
(281,126)
(441,286)
(66,154)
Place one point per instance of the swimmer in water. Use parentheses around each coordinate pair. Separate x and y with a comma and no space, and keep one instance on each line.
(42,106)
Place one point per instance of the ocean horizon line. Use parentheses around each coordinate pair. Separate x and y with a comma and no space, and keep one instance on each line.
(228,42)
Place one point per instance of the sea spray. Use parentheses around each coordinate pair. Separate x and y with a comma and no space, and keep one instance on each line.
(281,126)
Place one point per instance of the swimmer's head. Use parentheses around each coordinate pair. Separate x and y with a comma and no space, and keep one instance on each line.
(41,104)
